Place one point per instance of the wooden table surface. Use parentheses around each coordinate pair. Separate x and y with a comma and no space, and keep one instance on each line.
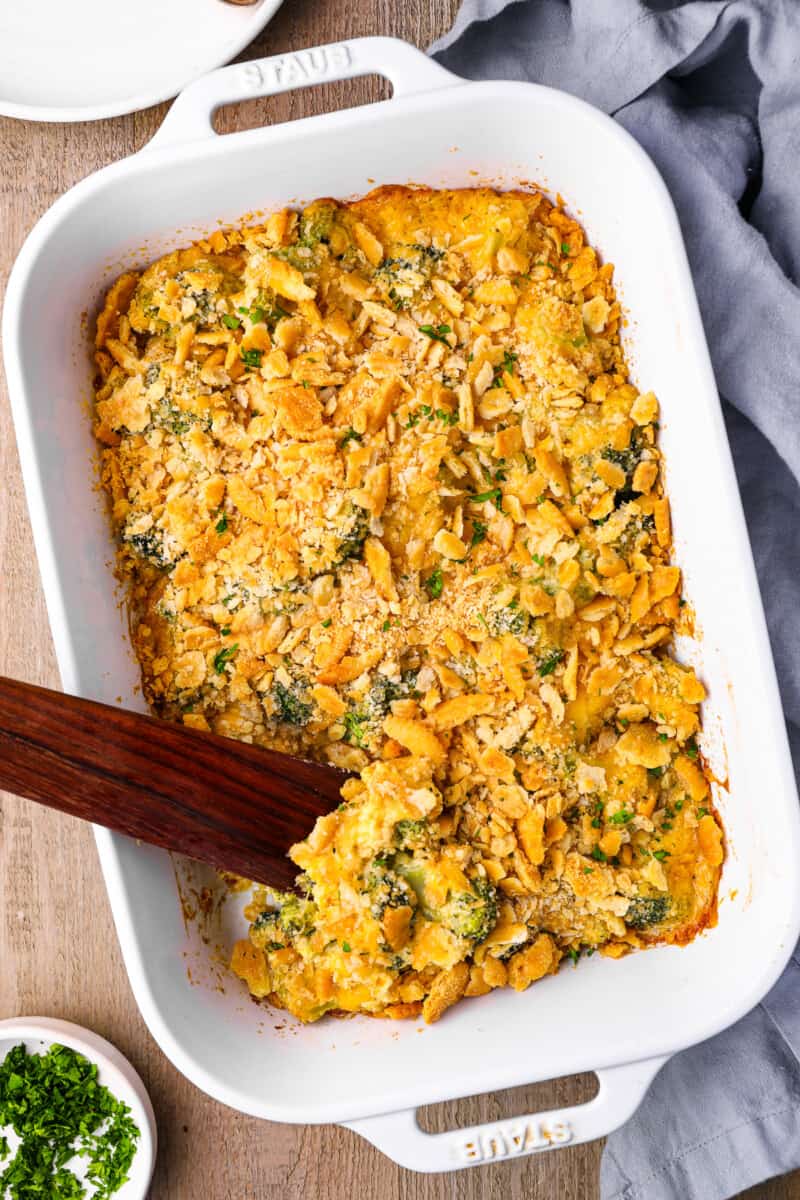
(58,950)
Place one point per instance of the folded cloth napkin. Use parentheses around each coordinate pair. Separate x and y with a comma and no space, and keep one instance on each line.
(711,89)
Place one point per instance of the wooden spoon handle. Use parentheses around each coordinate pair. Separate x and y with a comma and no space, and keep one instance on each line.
(236,806)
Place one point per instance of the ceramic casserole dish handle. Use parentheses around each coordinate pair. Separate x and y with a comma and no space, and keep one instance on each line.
(620,1092)
(398,1134)
(408,70)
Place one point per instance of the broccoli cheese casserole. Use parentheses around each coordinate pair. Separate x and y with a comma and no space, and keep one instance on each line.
(386,496)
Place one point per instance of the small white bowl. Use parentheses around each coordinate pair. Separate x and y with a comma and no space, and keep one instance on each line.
(114,1072)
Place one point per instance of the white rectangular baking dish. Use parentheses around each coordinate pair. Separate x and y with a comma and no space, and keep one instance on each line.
(437,130)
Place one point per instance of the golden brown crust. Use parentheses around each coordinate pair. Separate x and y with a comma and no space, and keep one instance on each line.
(386,495)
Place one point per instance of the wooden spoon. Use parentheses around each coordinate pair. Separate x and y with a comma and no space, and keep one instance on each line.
(236,806)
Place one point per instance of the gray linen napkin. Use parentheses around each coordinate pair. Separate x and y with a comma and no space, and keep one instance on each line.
(711,89)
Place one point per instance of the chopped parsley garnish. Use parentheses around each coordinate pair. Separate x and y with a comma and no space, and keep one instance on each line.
(449,418)
(222,657)
(478,533)
(224,632)
(231,321)
(565,247)
(327,623)
(702,812)
(425,410)
(622,817)
(573,955)
(252,358)
(57,1107)
(550,661)
(494,494)
(437,333)
(661,854)
(538,559)
(662,737)
(222,523)
(350,436)
(416,416)
(256,315)
(506,367)
(346,947)
(598,854)
(355,727)
(691,749)
(434,584)
(655,772)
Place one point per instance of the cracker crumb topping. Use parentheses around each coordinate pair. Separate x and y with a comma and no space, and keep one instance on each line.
(385,495)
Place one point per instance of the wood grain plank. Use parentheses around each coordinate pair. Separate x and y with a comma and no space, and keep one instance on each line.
(58,950)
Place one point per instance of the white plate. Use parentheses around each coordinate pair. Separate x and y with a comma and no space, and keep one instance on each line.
(88,59)
(114,1072)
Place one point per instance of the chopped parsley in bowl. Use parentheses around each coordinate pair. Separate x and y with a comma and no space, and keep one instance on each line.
(75,1120)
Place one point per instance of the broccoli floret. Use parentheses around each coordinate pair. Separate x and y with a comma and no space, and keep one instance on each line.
(316,224)
(304,257)
(206,298)
(511,619)
(417,258)
(635,533)
(472,914)
(265,933)
(292,708)
(150,546)
(387,888)
(294,917)
(401,277)
(412,835)
(384,691)
(176,420)
(628,459)
(355,727)
(362,724)
(353,534)
(206,310)
(265,309)
(645,911)
(469,914)
(429,255)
